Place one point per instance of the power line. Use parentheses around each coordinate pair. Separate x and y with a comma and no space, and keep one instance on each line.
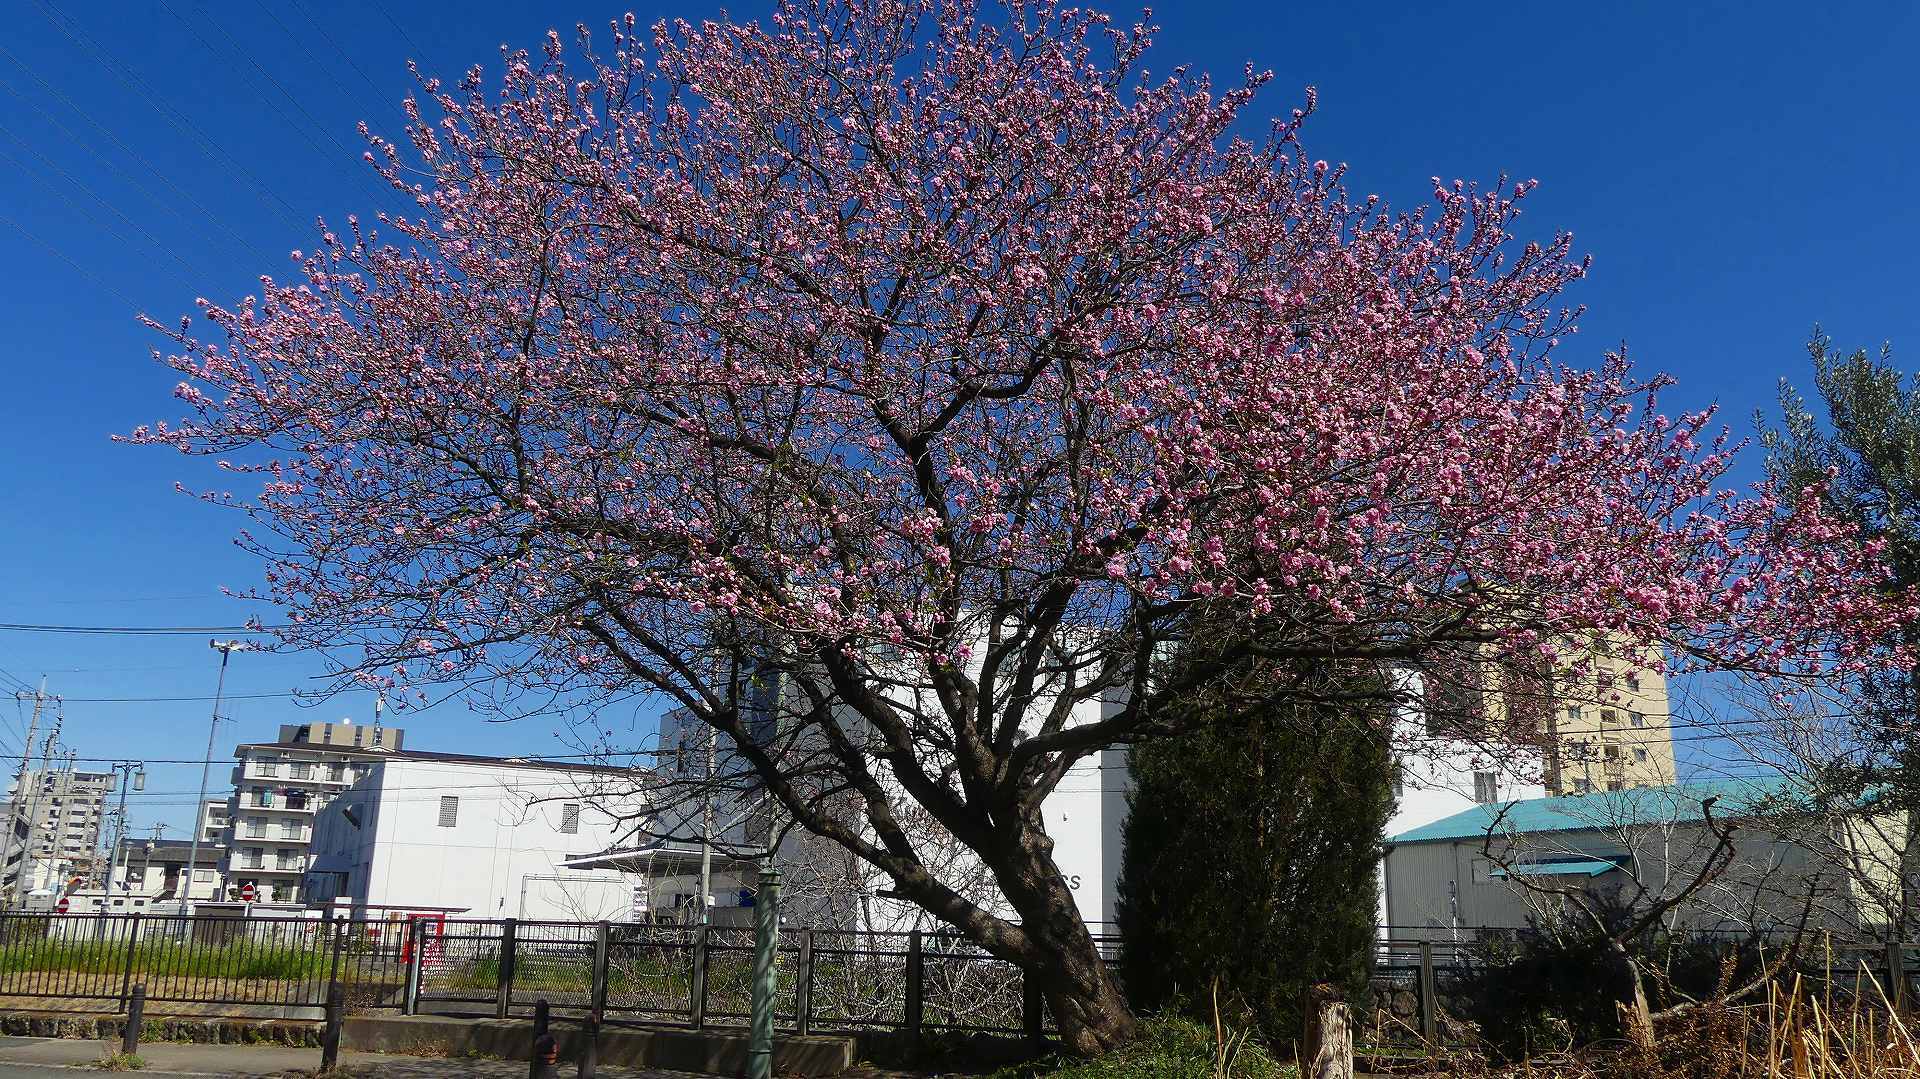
(102,283)
(322,65)
(216,220)
(54,166)
(174,118)
(253,62)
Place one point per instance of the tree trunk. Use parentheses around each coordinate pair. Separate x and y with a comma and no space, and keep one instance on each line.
(1083,991)
(1326,1049)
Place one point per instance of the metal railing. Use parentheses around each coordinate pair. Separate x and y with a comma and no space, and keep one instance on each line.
(633,973)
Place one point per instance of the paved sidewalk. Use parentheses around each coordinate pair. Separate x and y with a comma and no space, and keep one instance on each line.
(39,1056)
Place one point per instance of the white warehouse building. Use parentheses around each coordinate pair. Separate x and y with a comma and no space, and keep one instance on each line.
(470,836)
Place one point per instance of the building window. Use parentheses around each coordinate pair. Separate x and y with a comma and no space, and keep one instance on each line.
(1615,785)
(337,772)
(1633,682)
(262,797)
(1613,753)
(256,828)
(1582,785)
(203,876)
(1639,719)
(253,859)
(1640,755)
(570,818)
(1608,715)
(303,770)
(1486,788)
(449,811)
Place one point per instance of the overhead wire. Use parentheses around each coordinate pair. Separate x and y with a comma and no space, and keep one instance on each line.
(313,123)
(173,117)
(54,166)
(217,221)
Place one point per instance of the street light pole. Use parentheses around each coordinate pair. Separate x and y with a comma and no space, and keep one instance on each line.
(226,650)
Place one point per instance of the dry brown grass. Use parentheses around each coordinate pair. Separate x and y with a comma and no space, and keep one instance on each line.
(1790,1034)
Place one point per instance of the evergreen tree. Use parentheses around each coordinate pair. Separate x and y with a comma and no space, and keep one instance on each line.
(1250,854)
(1866,453)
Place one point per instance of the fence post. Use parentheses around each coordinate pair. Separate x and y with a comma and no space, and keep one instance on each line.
(1030,1008)
(1429,1006)
(1897,974)
(602,962)
(333,966)
(916,971)
(416,960)
(545,1048)
(699,1004)
(330,1037)
(597,1007)
(136,1019)
(803,984)
(503,995)
(126,979)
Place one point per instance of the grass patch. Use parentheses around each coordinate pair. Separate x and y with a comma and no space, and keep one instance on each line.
(1167,1048)
(120,1062)
(240,959)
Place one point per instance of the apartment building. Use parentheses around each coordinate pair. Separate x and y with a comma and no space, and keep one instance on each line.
(1611,727)
(278,787)
(213,822)
(56,816)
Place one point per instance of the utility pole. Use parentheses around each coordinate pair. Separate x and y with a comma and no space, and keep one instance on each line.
(706,835)
(226,650)
(39,698)
(132,774)
(33,802)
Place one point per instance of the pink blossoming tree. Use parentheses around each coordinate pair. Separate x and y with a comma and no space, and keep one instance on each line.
(893,343)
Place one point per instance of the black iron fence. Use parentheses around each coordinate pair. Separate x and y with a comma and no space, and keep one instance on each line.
(688,976)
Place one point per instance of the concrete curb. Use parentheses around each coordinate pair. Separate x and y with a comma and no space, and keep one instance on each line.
(721,1052)
(711,1051)
(204,1030)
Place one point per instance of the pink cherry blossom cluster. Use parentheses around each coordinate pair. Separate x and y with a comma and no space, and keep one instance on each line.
(880,315)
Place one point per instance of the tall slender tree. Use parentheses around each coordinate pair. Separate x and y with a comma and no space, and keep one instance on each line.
(1858,457)
(942,352)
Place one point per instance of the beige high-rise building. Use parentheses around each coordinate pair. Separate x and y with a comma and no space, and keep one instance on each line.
(1611,726)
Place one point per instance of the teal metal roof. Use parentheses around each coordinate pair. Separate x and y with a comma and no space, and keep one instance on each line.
(1602,809)
(1590,867)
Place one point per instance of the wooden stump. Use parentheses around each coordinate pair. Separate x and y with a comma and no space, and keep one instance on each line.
(1326,1052)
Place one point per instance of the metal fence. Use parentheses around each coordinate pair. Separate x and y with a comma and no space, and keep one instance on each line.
(686,976)
(279,962)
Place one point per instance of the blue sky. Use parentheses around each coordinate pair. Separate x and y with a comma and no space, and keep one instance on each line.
(1738,172)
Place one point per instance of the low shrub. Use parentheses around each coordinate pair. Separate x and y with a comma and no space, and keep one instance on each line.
(1169,1047)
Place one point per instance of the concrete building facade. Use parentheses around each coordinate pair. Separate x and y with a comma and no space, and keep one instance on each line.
(151,869)
(471,836)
